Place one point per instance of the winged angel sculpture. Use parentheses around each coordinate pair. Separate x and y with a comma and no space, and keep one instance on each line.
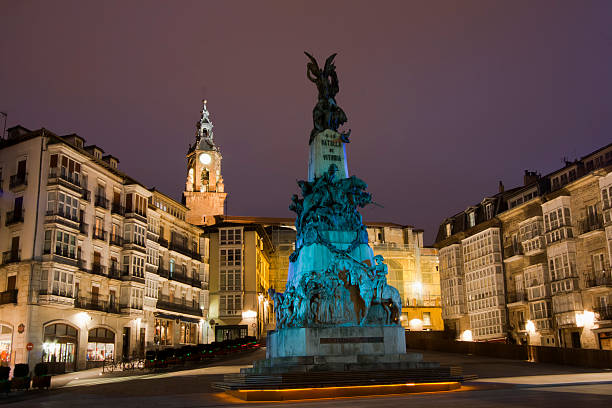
(326,113)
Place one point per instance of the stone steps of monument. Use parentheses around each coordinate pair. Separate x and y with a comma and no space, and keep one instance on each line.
(343,378)
(337,367)
(347,359)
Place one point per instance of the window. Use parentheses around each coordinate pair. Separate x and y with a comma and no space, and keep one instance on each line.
(188,333)
(137,266)
(230,257)
(153,256)
(163,332)
(56,282)
(139,235)
(560,267)
(171,267)
(99,228)
(230,236)
(598,262)
(63,205)
(489,211)
(471,219)
(136,298)
(230,279)
(539,310)
(448,229)
(65,244)
(230,305)
(426,319)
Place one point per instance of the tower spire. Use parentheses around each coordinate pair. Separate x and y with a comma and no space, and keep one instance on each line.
(205,125)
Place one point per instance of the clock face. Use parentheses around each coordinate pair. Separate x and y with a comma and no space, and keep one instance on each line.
(205,158)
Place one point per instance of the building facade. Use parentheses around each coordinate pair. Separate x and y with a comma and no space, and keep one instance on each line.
(239,278)
(413,270)
(85,251)
(550,251)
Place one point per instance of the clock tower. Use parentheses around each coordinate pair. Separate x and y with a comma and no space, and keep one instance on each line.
(204,193)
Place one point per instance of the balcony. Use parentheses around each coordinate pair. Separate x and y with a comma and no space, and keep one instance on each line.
(185,251)
(7,297)
(64,256)
(63,218)
(591,224)
(11,256)
(517,297)
(116,240)
(97,303)
(126,276)
(86,195)
(598,279)
(18,181)
(134,245)
(67,180)
(55,298)
(98,269)
(14,217)
(117,208)
(164,273)
(604,313)
(152,237)
(99,234)
(186,280)
(151,268)
(164,303)
(101,201)
(513,252)
(129,213)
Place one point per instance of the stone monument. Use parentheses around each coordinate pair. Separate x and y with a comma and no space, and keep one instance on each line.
(337,301)
(337,317)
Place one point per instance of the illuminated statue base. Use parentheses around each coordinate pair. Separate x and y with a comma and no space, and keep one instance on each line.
(336,341)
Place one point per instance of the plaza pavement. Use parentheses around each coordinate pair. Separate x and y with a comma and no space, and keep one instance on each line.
(501,383)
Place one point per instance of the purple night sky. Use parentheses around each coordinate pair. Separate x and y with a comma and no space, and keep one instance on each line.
(444,100)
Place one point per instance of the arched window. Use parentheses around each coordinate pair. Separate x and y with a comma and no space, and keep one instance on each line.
(100,346)
(60,345)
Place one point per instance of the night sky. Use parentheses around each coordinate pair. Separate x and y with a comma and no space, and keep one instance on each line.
(443,99)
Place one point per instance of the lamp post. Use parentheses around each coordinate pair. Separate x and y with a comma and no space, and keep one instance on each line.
(531,330)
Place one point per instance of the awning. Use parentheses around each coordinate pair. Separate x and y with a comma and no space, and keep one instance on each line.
(175,317)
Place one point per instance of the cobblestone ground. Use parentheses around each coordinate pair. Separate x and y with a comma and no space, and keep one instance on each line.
(503,383)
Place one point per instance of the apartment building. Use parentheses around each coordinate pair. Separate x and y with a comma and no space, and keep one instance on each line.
(239,278)
(84,255)
(554,240)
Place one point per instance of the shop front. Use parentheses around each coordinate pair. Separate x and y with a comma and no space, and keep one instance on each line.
(231,332)
(6,342)
(605,339)
(60,345)
(171,330)
(100,346)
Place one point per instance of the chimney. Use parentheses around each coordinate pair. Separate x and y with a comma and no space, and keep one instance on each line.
(530,177)
(501,186)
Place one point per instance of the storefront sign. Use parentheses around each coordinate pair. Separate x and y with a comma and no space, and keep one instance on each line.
(21,328)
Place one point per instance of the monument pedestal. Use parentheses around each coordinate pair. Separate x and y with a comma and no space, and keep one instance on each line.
(336,341)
